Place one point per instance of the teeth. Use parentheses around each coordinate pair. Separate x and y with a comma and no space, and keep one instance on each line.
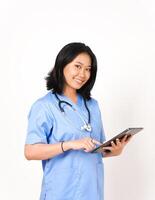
(79,81)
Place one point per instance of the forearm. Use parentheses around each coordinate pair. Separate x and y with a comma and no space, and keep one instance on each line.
(44,151)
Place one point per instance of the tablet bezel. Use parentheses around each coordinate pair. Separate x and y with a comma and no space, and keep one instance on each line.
(128,131)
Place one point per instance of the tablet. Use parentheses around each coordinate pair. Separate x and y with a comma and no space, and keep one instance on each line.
(128,131)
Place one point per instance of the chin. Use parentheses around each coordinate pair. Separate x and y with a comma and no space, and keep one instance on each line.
(78,86)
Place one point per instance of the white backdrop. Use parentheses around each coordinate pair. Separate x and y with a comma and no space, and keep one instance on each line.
(121,33)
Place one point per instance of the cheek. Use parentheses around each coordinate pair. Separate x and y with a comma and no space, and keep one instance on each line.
(67,73)
(71,71)
(88,76)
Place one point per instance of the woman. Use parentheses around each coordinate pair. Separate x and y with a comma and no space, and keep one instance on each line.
(65,126)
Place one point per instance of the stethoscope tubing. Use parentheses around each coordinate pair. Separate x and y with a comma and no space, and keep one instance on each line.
(62,110)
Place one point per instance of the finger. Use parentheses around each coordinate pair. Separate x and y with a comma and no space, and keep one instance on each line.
(96,142)
(107,148)
(86,149)
(113,144)
(118,143)
(124,138)
(87,146)
(91,144)
(128,139)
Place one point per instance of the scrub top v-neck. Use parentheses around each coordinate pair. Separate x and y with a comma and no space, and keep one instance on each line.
(74,174)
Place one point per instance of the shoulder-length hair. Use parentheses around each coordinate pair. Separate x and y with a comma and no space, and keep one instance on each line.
(55,78)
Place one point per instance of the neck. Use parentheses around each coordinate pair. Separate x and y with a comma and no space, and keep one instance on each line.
(70,93)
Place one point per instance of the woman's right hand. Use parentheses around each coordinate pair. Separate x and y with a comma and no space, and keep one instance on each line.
(87,144)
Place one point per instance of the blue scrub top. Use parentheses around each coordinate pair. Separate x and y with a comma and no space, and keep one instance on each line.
(74,174)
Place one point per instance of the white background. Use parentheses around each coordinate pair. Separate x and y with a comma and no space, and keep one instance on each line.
(122,35)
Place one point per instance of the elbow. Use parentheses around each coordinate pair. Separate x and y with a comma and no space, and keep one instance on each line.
(27,156)
(28,152)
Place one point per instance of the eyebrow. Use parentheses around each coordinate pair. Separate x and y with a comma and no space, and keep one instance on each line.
(82,63)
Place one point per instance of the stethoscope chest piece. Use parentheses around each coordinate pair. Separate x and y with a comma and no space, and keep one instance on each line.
(86,127)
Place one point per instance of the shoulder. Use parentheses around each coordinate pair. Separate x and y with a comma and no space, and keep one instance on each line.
(42,104)
(92,101)
(94,105)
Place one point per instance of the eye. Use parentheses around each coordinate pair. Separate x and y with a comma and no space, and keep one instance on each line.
(78,66)
(88,69)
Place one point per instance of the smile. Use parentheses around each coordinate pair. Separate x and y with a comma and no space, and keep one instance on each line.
(79,81)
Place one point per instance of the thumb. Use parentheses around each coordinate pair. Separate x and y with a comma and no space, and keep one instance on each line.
(106,148)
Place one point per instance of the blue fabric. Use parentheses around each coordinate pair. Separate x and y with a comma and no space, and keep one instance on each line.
(75,174)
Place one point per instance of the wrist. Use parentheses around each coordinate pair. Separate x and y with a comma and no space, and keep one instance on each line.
(67,145)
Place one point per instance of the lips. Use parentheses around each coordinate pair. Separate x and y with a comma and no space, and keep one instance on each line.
(79,81)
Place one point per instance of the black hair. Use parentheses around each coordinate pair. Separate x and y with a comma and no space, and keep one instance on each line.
(55,78)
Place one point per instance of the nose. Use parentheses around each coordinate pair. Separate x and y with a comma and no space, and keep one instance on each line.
(82,73)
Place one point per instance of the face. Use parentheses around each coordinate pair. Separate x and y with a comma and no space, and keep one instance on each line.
(77,72)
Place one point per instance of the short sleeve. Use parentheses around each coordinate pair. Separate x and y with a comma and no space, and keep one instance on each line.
(40,124)
(102,132)
(103,138)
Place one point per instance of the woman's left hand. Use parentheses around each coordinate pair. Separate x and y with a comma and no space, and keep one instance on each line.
(116,148)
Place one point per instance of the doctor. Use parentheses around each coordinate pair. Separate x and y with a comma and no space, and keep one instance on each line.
(64,127)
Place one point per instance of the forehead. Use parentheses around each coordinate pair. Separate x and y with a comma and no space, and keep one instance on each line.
(83,59)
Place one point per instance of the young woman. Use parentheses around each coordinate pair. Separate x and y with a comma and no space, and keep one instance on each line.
(64,127)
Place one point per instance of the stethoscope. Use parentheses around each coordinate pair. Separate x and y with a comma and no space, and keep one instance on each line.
(86,126)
